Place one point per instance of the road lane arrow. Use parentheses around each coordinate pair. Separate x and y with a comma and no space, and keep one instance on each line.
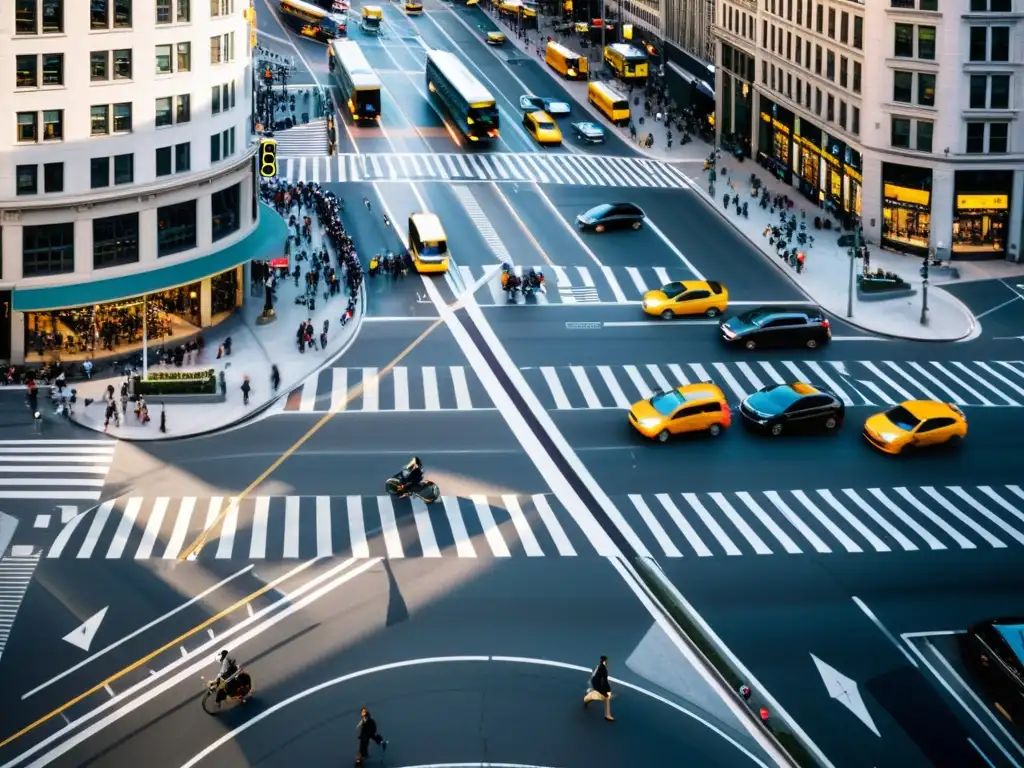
(844,690)
(81,637)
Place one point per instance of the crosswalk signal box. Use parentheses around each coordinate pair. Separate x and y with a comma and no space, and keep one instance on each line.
(268,158)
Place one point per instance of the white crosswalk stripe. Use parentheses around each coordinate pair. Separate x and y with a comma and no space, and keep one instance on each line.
(577,387)
(546,168)
(15,576)
(857,521)
(564,285)
(57,470)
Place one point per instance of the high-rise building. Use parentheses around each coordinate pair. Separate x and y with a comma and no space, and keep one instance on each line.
(127,170)
(901,112)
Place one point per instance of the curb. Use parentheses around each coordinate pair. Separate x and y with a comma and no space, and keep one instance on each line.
(259,410)
(703,196)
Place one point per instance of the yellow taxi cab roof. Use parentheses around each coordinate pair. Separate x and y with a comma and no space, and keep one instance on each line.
(700,392)
(428,226)
(540,114)
(496,35)
(804,389)
(927,409)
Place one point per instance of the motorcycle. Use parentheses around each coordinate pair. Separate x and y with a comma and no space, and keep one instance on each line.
(238,687)
(425,490)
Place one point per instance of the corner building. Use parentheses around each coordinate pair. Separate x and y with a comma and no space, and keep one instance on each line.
(904,113)
(127,173)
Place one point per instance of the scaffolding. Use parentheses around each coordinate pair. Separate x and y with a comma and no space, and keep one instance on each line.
(688,24)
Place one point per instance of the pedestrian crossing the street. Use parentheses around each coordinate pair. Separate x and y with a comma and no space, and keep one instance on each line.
(598,387)
(306,139)
(794,522)
(574,285)
(57,470)
(543,168)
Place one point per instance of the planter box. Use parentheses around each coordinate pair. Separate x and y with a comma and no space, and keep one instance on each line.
(179,387)
(155,401)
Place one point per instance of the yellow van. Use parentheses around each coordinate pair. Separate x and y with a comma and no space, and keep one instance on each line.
(373,17)
(428,244)
(625,61)
(612,104)
(565,62)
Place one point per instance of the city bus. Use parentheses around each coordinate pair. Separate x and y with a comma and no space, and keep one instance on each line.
(355,80)
(568,64)
(470,105)
(625,61)
(428,244)
(610,102)
(373,17)
(313,21)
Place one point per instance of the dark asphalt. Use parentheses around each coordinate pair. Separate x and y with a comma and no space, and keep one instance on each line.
(486,711)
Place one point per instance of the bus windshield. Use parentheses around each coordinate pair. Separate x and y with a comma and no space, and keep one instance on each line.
(433,249)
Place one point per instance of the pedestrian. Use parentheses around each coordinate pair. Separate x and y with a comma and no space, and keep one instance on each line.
(367,728)
(246,389)
(275,378)
(600,689)
(222,382)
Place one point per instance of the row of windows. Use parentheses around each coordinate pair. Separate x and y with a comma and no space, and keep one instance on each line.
(50,249)
(824,104)
(47,16)
(990,92)
(814,19)
(903,90)
(106,119)
(904,37)
(920,5)
(824,62)
(991,6)
(989,44)
(740,23)
(992,138)
(912,134)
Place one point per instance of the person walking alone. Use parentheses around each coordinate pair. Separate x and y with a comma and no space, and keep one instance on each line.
(367,728)
(600,689)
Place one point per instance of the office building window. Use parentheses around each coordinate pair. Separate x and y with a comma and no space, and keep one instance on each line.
(817,59)
(820,18)
(99,120)
(53,177)
(991,6)
(926,43)
(975,138)
(164,115)
(844,27)
(855,122)
(99,14)
(26,69)
(122,14)
(999,92)
(53,125)
(99,66)
(844,71)
(184,57)
(53,69)
(164,165)
(924,135)
(26,179)
(123,64)
(842,114)
(215,99)
(220,8)
(224,206)
(830,108)
(902,86)
(978,92)
(926,89)
(858,32)
(978,50)
(832,23)
(215,148)
(998,138)
(164,12)
(183,113)
(124,169)
(182,157)
(999,46)
(217,52)
(904,41)
(817,101)
(232,94)
(122,122)
(184,8)
(163,60)
(99,172)
(900,133)
(830,66)
(48,249)
(929,5)
(176,228)
(856,77)
(115,240)
(28,127)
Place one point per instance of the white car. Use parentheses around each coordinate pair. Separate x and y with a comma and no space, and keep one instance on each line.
(588,133)
(553,107)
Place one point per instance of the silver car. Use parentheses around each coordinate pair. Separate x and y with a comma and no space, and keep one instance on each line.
(554,107)
(588,133)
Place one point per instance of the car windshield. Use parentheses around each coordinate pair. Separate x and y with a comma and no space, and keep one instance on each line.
(545,125)
(667,402)
(777,400)
(673,289)
(756,317)
(599,212)
(902,418)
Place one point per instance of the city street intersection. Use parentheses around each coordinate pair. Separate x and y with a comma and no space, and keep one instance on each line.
(470,627)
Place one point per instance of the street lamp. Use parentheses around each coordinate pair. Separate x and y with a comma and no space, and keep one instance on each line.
(924,284)
(853,258)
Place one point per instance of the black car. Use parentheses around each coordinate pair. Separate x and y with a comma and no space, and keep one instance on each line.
(611,216)
(796,326)
(797,407)
(994,652)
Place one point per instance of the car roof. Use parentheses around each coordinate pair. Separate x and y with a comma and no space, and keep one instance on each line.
(701,391)
(928,409)
(1011,630)
(540,114)
(776,310)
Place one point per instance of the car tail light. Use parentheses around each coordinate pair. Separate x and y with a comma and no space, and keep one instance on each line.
(825,324)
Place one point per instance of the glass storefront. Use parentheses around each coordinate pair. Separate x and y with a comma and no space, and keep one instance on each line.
(115,328)
(981,213)
(906,208)
(775,131)
(807,138)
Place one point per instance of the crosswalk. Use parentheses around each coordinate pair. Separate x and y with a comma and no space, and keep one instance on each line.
(811,521)
(306,139)
(574,285)
(61,470)
(15,576)
(543,168)
(595,387)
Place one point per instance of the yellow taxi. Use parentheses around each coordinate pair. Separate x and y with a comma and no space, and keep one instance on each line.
(915,424)
(543,128)
(689,408)
(690,297)
(413,7)
(495,38)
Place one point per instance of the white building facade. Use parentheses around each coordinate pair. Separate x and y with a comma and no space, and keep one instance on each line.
(126,171)
(904,113)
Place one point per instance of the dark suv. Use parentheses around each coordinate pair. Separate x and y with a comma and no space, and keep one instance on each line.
(794,326)
(994,652)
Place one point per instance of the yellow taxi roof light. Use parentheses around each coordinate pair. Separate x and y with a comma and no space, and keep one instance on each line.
(804,389)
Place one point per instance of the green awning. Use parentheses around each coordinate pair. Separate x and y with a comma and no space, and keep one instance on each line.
(266,240)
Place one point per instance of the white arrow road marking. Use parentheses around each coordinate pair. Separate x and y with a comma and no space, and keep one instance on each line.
(82,636)
(844,690)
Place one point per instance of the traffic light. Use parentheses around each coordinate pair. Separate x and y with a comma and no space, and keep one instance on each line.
(268,158)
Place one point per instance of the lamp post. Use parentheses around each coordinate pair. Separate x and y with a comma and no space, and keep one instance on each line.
(853,258)
(145,340)
(924,284)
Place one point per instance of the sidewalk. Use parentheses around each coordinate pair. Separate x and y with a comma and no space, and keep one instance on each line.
(255,348)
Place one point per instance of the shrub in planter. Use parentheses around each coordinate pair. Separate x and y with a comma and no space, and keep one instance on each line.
(175,383)
(879,281)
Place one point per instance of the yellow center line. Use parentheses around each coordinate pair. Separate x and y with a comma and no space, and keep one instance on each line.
(199,542)
(522,225)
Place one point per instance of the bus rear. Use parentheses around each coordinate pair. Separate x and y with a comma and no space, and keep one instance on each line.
(428,244)
(565,62)
(627,62)
(610,102)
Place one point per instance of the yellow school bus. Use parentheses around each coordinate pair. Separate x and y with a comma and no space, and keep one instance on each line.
(565,62)
(625,61)
(612,104)
(428,244)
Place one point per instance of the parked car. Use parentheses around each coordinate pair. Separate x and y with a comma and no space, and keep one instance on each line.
(794,326)
(554,107)
(611,216)
(588,133)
